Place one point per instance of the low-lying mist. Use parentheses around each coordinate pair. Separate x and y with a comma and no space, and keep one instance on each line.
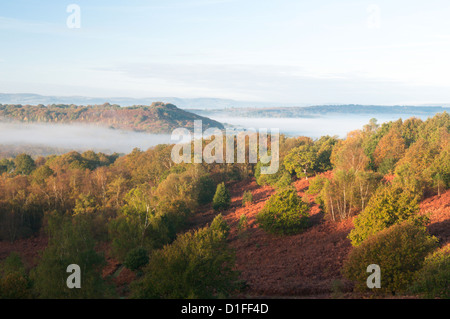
(315,127)
(19,137)
(78,137)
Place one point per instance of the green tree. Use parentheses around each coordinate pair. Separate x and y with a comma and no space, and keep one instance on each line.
(206,186)
(347,192)
(220,225)
(136,258)
(316,187)
(70,242)
(24,164)
(173,216)
(400,252)
(284,213)
(410,130)
(6,166)
(339,194)
(280,179)
(221,199)
(433,279)
(140,209)
(301,160)
(145,222)
(14,281)
(124,235)
(187,186)
(389,150)
(324,148)
(440,170)
(247,198)
(243,223)
(388,206)
(92,159)
(350,154)
(412,172)
(198,264)
(41,174)
(432,129)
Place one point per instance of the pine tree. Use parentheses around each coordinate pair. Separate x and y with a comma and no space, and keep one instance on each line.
(221,198)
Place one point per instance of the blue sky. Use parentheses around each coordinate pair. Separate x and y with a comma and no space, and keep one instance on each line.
(305,52)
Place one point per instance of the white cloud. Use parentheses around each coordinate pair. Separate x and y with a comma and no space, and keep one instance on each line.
(270,83)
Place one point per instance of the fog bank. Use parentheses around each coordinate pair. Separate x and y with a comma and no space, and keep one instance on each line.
(78,137)
(331,125)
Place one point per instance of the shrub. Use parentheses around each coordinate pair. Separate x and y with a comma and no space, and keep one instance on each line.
(42,173)
(301,160)
(220,226)
(15,286)
(284,213)
(140,224)
(70,242)
(6,166)
(243,223)
(247,198)
(337,286)
(221,198)
(136,258)
(278,179)
(14,282)
(126,234)
(387,166)
(316,185)
(205,189)
(24,164)
(193,186)
(433,280)
(284,181)
(233,173)
(198,264)
(399,251)
(173,217)
(388,206)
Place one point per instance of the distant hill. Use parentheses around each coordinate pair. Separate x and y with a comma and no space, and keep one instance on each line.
(203,104)
(156,118)
(183,103)
(318,110)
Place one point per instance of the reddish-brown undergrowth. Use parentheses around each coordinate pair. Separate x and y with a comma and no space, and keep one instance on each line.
(305,265)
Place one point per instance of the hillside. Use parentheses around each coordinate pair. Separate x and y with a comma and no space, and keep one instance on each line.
(305,265)
(156,118)
(308,264)
(301,265)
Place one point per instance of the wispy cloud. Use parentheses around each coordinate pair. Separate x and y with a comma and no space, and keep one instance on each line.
(173,5)
(31,26)
(394,46)
(270,83)
(61,29)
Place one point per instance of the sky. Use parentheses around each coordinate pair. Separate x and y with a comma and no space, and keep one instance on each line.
(283,51)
